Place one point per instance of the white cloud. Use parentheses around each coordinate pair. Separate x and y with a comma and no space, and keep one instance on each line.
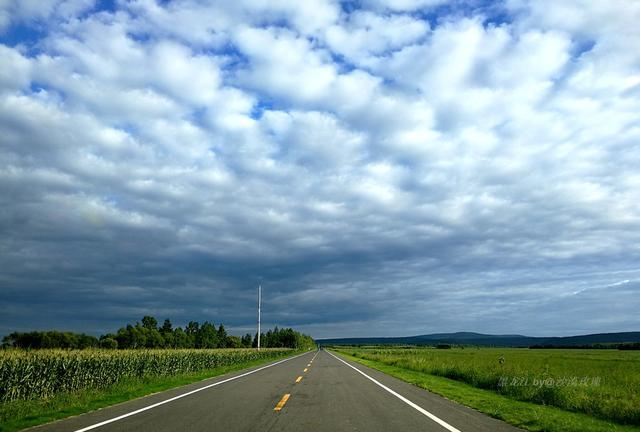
(226,141)
(581,18)
(307,17)
(403,5)
(193,78)
(15,69)
(315,140)
(211,24)
(5,20)
(367,34)
(41,10)
(284,65)
(465,54)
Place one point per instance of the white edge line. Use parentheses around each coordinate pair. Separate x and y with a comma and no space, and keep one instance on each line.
(97,425)
(441,422)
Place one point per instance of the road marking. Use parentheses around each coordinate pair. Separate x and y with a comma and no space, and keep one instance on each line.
(283,401)
(298,379)
(441,422)
(309,365)
(97,425)
(305,369)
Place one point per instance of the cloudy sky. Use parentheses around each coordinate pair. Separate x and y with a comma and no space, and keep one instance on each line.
(381,167)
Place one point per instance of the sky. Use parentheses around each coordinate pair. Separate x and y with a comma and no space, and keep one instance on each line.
(380,167)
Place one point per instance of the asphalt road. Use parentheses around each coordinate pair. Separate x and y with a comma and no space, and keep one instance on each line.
(331,396)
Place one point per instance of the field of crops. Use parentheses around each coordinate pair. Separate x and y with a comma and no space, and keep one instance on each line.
(40,374)
(600,383)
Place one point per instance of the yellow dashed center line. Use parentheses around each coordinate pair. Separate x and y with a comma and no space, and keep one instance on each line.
(286,397)
(283,401)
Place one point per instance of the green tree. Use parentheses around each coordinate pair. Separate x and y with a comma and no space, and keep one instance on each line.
(222,337)
(192,330)
(207,336)
(233,342)
(246,340)
(254,344)
(123,337)
(180,339)
(109,343)
(139,336)
(153,339)
(167,334)
(149,322)
(167,327)
(147,335)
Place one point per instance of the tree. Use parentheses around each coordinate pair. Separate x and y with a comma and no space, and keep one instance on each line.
(166,327)
(109,343)
(192,330)
(124,337)
(267,340)
(192,327)
(139,337)
(254,344)
(233,342)
(166,331)
(149,322)
(246,340)
(8,341)
(207,336)
(49,339)
(86,341)
(146,334)
(222,337)
(180,339)
(153,339)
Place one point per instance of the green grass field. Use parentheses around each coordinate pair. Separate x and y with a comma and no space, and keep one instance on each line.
(603,384)
(44,385)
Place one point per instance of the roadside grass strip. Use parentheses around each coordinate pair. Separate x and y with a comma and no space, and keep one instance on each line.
(525,415)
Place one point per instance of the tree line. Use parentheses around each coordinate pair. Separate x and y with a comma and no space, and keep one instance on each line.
(148,334)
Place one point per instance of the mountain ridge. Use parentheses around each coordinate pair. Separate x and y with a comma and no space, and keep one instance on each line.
(473,338)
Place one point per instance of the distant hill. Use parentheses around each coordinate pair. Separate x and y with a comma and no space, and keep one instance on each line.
(469,338)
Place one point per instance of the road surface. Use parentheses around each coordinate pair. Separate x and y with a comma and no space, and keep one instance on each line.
(315,391)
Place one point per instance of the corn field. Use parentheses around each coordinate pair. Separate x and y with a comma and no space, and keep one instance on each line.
(43,373)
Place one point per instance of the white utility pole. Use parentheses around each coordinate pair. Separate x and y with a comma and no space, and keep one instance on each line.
(259,301)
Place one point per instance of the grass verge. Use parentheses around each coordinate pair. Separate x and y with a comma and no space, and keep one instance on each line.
(525,415)
(18,415)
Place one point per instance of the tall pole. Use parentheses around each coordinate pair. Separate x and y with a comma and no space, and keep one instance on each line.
(259,301)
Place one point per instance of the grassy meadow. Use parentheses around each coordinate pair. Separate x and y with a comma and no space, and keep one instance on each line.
(603,384)
(38,386)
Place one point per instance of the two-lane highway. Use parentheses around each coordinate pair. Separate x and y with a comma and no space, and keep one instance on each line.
(315,391)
